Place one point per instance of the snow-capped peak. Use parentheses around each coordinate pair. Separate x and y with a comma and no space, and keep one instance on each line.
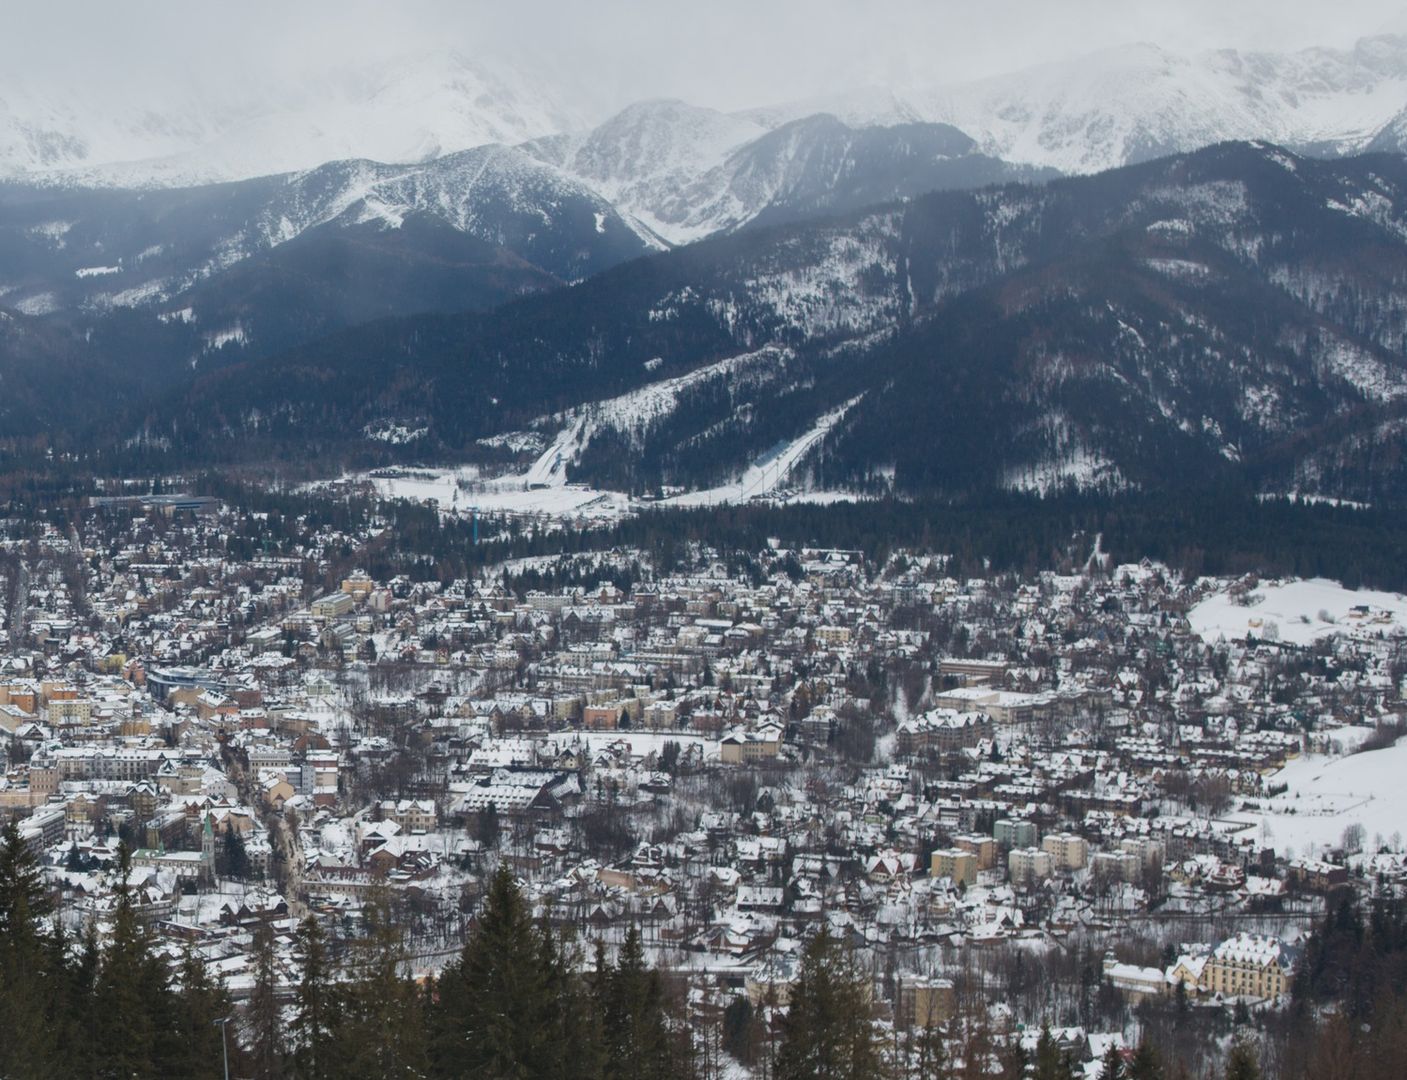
(1134,102)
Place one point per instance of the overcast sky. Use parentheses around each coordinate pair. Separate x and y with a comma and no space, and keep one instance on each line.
(725,53)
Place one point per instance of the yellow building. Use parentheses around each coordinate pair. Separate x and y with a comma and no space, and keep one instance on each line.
(1248,965)
(954,863)
(739,746)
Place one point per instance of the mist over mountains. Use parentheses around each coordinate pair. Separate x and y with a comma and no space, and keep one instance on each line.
(1114,107)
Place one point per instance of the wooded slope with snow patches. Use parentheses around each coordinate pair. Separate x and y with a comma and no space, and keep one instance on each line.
(1222,318)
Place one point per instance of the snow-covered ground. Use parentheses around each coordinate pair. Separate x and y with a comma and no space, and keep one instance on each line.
(641,742)
(542,489)
(1328,794)
(769,472)
(1294,612)
(460,490)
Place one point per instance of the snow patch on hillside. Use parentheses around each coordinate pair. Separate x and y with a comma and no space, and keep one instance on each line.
(1328,794)
(770,472)
(1295,612)
(629,414)
(1361,369)
(230,335)
(1182,269)
(1077,466)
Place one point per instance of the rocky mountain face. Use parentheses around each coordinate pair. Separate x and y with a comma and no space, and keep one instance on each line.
(685,173)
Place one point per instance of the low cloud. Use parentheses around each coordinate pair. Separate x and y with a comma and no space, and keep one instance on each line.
(726,53)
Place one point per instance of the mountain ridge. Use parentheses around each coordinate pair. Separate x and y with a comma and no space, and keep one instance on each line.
(1158,324)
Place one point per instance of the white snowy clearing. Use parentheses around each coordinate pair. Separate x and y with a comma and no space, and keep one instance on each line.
(767,473)
(461,490)
(641,743)
(1294,612)
(543,488)
(1328,794)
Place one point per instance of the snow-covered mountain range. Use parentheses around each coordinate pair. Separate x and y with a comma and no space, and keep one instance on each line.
(1230,317)
(387,250)
(1138,102)
(685,172)
(679,171)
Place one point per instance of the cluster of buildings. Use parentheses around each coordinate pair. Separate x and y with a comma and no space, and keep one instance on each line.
(936,768)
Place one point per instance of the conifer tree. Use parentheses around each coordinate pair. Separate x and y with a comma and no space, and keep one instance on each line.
(130,982)
(262,1014)
(23,901)
(577,1030)
(740,1034)
(199,1004)
(31,964)
(67,998)
(81,991)
(381,999)
(315,1006)
(1242,1063)
(633,1018)
(827,1032)
(1112,1065)
(1147,1063)
(495,1003)
(1051,1063)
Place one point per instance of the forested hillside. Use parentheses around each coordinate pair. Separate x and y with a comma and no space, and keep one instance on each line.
(1228,316)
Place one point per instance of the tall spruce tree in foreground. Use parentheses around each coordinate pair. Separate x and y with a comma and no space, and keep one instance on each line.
(578,1025)
(131,983)
(199,1004)
(638,1044)
(262,1013)
(33,1006)
(497,1017)
(379,1024)
(826,1032)
(314,1007)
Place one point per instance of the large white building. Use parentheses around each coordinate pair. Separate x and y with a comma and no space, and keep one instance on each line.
(1068,851)
(1029,865)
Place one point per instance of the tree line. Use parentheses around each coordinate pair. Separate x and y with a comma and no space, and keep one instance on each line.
(520,1001)
(513,1004)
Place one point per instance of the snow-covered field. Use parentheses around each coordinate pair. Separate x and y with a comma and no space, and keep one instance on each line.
(767,474)
(461,490)
(543,488)
(1294,612)
(1328,794)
